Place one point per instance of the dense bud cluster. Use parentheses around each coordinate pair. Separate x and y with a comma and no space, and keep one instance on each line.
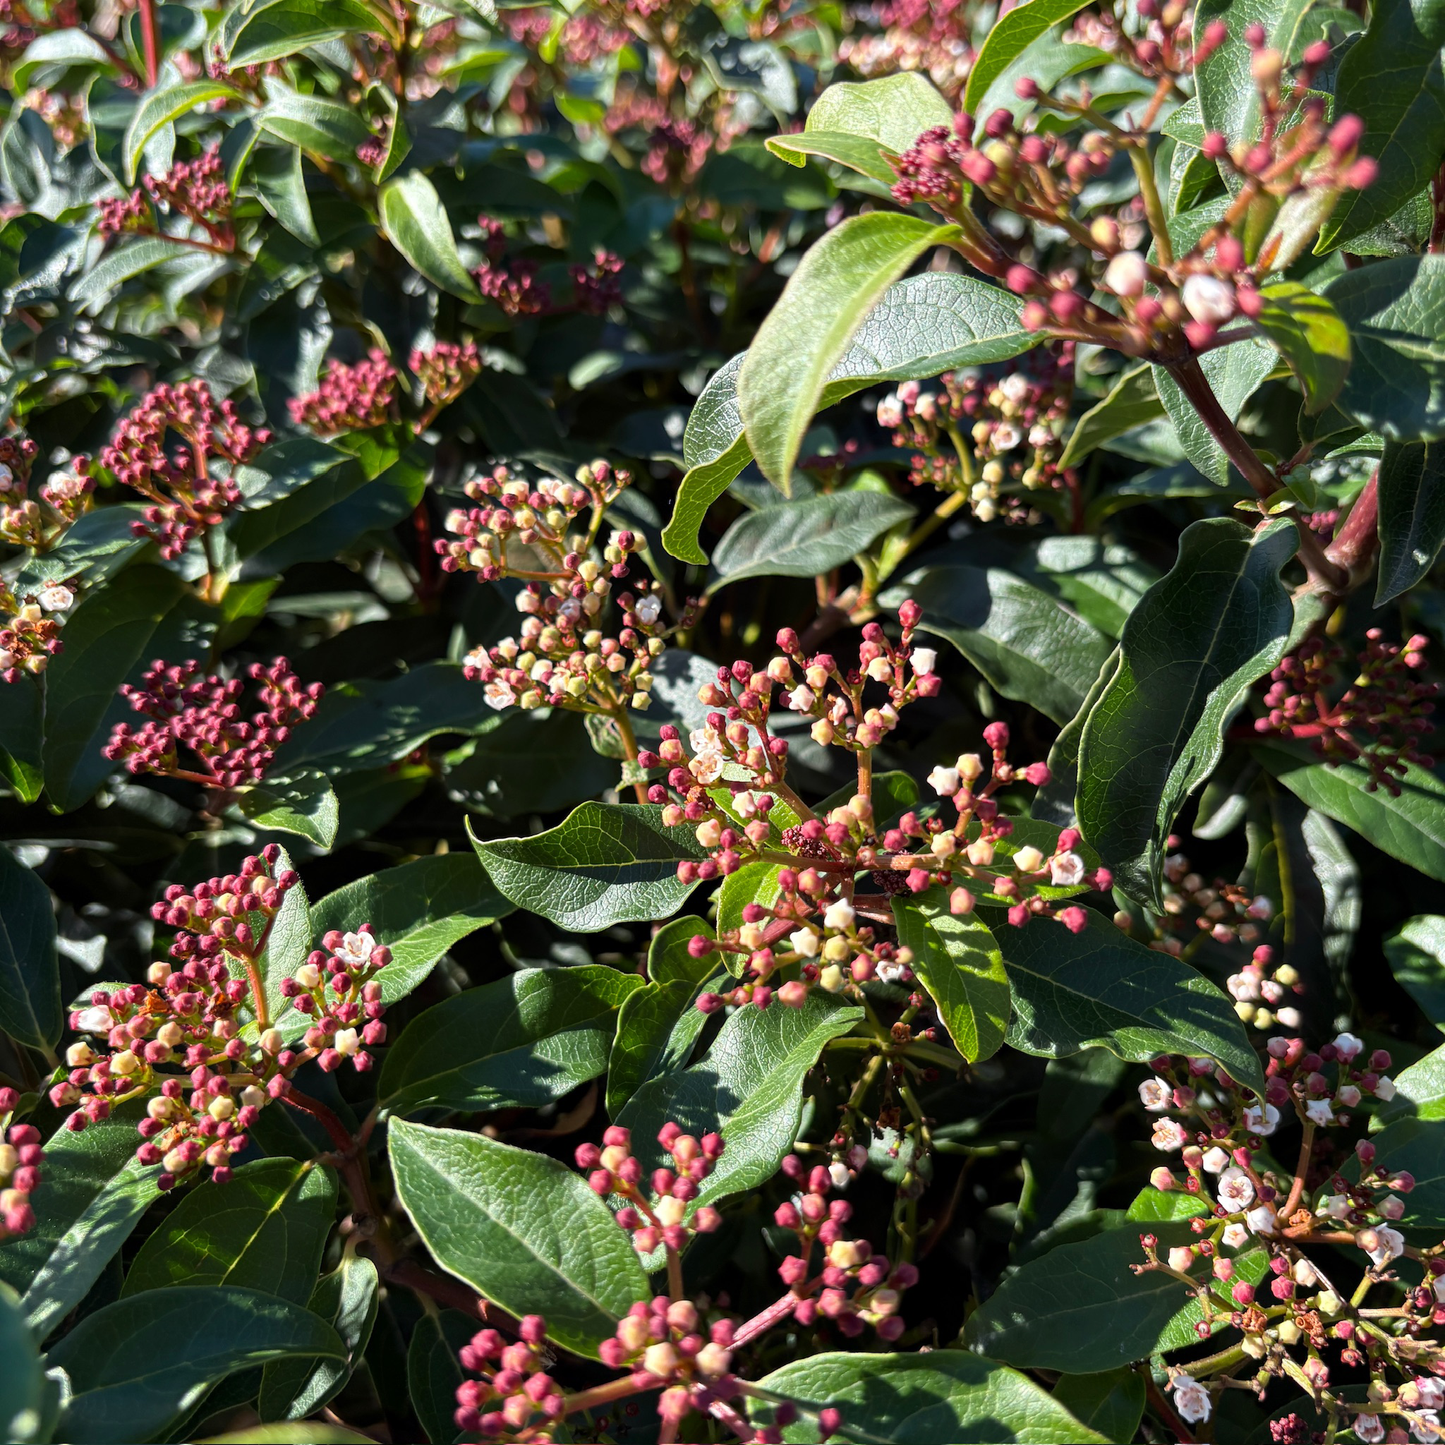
(26,521)
(511,283)
(28,638)
(994,439)
(598,287)
(1378,720)
(202,715)
(337,988)
(930,36)
(350,398)
(20,1159)
(195,190)
(188,494)
(445,370)
(655,1211)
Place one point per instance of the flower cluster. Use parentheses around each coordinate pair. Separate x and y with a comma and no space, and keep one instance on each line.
(202,714)
(445,371)
(513,283)
(995,439)
(26,521)
(598,287)
(1256,1262)
(1378,720)
(20,1160)
(655,1209)
(930,36)
(196,190)
(188,493)
(337,987)
(349,398)
(1263,993)
(28,638)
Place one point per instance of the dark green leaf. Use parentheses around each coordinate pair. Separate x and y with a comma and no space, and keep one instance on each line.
(1131,401)
(322,127)
(22,733)
(1189,654)
(1228,97)
(1415,1146)
(524,1040)
(100,284)
(301,802)
(1395,311)
(1008,39)
(1416,954)
(264,1229)
(23,1394)
(125,1389)
(520,1228)
(605,863)
(1309,334)
(1419,1090)
(1111,1403)
(256,32)
(433,1371)
(158,108)
(415,222)
(537,761)
(958,961)
(945,1397)
(1100,989)
(30,1007)
(1102,581)
(1412,515)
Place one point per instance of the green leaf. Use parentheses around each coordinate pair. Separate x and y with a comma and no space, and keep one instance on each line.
(69,45)
(1111,1402)
(1410,828)
(264,1229)
(924,325)
(256,32)
(1415,1146)
(838,281)
(1100,989)
(106,636)
(99,285)
(1081,1308)
(856,152)
(1027,645)
(1416,955)
(22,731)
(748,1088)
(1235,374)
(1102,581)
(958,961)
(1189,654)
(1308,332)
(1391,78)
(347,1300)
(321,127)
(520,1228)
(127,1386)
(535,761)
(1419,1089)
(23,1393)
(302,803)
(659,1023)
(280,181)
(1412,515)
(522,1041)
(30,1008)
(158,108)
(1008,39)
(1131,401)
(605,863)
(807,538)
(1395,311)
(415,222)
(433,1371)
(1228,97)
(944,1397)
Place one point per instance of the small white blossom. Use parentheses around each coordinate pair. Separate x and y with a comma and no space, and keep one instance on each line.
(1126,274)
(801,699)
(839,916)
(945,781)
(1066,870)
(346,1042)
(838,1173)
(1262,1119)
(1289,1017)
(804,941)
(1015,387)
(890,411)
(1382,1244)
(1426,1426)
(56,598)
(1215,1160)
(1349,1046)
(1156,1094)
(923,660)
(1335,1206)
(1261,1219)
(648,609)
(1369,1429)
(1431,1391)
(1318,1111)
(1243,987)
(1207,298)
(1236,1190)
(1235,1236)
(356,949)
(1169,1135)
(95,1020)
(891,972)
(1191,1400)
(1385,1088)
(499,694)
(1304,1274)
(1006,436)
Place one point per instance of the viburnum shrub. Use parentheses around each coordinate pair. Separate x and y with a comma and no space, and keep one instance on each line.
(717,721)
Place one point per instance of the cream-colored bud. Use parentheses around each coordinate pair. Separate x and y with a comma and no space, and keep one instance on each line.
(221,1107)
(980,853)
(832,977)
(1028,860)
(837,949)
(308,976)
(822,732)
(125,1062)
(273,1041)
(79,1056)
(713,1361)
(632,1333)
(970,767)
(660,1360)
(669,1211)
(158,973)
(709,832)
(9,1160)
(253,1097)
(174,1162)
(945,845)
(171,1034)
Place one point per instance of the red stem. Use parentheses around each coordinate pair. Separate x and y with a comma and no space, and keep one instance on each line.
(1355,541)
(148,39)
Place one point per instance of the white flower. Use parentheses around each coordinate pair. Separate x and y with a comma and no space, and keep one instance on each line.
(801,698)
(1191,1399)
(1126,274)
(1261,1219)
(499,694)
(1318,1111)
(56,598)
(1215,1160)
(892,972)
(1382,1244)
(356,949)
(1243,987)
(1336,1206)
(1369,1429)
(804,941)
(1236,1191)
(945,781)
(1427,1426)
(346,1042)
(1015,386)
(1066,870)
(648,609)
(95,1020)
(1432,1392)
(707,767)
(1385,1088)
(1006,436)
(1156,1094)
(839,916)
(1235,1236)
(1348,1046)
(890,411)
(923,660)
(1440,1289)
(1207,298)
(1169,1135)
(838,1173)
(1262,1119)
(1289,1017)
(1304,1273)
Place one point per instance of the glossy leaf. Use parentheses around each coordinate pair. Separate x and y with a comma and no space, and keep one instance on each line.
(302,803)
(256,32)
(606,863)
(1395,311)
(938,1398)
(806,334)
(522,1041)
(158,108)
(748,1088)
(1102,581)
(1189,654)
(958,961)
(1416,955)
(1111,1402)
(805,539)
(264,1229)
(1100,989)
(1412,515)
(1391,78)
(121,1392)
(30,1006)
(1027,645)
(1235,374)
(415,223)
(23,1393)
(433,1371)
(522,1229)
(1228,100)
(1308,332)
(1131,401)
(1008,39)
(322,127)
